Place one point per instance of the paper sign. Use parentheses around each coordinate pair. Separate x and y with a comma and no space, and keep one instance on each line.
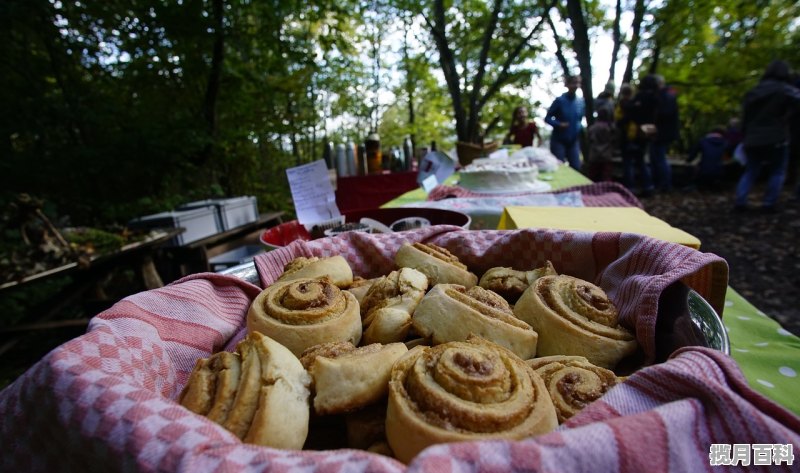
(436,164)
(312,193)
(429,183)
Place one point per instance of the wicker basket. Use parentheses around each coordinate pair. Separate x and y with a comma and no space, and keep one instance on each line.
(468,152)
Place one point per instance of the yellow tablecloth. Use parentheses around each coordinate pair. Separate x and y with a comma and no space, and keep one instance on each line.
(595,219)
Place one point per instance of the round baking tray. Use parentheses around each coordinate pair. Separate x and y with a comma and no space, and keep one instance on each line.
(694,323)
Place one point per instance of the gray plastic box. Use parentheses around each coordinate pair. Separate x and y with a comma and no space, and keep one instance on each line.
(199,223)
(232,212)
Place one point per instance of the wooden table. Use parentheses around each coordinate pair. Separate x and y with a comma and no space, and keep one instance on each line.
(86,281)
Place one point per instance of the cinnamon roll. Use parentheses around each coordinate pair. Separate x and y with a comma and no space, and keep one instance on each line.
(461,391)
(436,262)
(510,283)
(334,267)
(572,382)
(449,312)
(360,287)
(346,380)
(386,309)
(575,317)
(305,312)
(260,393)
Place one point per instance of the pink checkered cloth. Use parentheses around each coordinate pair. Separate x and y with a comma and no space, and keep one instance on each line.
(106,400)
(599,194)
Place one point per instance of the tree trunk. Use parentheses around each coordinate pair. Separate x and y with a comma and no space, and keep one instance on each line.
(656,57)
(616,35)
(213,85)
(473,122)
(448,65)
(582,50)
(638,16)
(562,60)
(409,82)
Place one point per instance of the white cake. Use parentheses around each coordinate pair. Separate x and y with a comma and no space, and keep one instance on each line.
(501,175)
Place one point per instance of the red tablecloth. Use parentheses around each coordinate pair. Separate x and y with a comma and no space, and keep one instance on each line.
(369,192)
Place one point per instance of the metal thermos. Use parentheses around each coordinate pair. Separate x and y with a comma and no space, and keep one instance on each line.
(374,156)
(341,161)
(362,160)
(350,155)
(328,155)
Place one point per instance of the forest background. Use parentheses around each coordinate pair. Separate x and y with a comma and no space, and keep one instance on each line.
(117,109)
(120,108)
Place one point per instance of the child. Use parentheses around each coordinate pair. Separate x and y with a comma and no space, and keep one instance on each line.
(711,149)
(522,131)
(602,135)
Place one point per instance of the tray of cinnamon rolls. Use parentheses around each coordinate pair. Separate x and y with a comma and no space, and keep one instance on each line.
(402,343)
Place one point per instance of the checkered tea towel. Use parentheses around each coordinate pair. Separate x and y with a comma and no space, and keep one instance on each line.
(105,401)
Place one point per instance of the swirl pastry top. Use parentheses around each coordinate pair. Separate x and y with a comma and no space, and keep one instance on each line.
(575,317)
(450,312)
(334,267)
(386,309)
(436,262)
(572,382)
(305,312)
(260,393)
(461,391)
(511,283)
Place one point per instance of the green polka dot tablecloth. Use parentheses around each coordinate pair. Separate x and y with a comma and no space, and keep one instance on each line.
(768,354)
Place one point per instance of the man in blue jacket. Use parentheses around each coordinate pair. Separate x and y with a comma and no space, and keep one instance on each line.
(565,116)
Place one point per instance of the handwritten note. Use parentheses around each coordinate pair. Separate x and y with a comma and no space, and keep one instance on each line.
(312,193)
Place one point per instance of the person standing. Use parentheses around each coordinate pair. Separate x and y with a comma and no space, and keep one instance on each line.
(667,122)
(767,111)
(711,149)
(605,100)
(522,131)
(602,138)
(633,142)
(565,116)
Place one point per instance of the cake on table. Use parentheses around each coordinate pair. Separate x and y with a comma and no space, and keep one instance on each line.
(502,175)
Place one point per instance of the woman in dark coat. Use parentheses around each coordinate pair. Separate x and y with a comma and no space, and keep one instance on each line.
(767,111)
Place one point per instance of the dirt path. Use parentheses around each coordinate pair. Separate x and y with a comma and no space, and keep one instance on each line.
(762,250)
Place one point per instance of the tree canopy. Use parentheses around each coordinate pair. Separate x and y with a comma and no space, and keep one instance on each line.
(117,109)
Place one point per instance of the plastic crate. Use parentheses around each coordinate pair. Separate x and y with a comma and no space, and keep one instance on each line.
(198,223)
(232,212)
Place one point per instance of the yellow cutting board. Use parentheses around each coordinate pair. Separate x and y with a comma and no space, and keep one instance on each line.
(595,219)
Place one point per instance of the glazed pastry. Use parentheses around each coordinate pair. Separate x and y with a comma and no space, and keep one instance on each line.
(436,262)
(572,382)
(386,309)
(450,312)
(360,287)
(335,268)
(260,393)
(575,317)
(212,385)
(305,312)
(460,391)
(511,283)
(348,380)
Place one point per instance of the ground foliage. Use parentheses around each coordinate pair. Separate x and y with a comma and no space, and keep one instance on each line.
(761,248)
